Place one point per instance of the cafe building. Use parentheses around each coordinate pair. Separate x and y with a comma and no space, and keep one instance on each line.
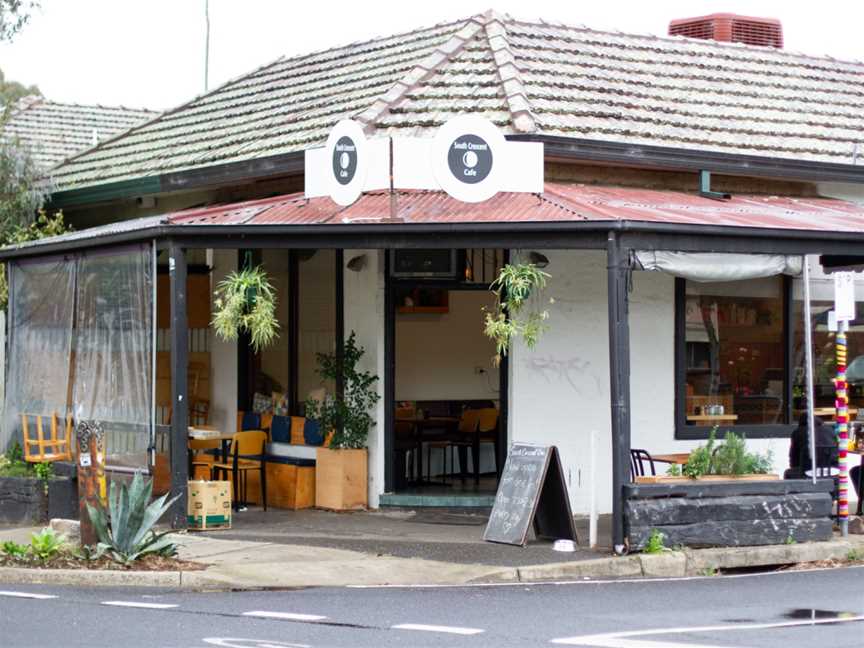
(672,189)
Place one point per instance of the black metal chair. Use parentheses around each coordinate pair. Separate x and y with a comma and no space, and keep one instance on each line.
(638,459)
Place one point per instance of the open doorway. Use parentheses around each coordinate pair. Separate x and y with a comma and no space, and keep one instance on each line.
(448,413)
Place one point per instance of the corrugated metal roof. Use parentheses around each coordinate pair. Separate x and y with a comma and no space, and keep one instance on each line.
(527,77)
(558,203)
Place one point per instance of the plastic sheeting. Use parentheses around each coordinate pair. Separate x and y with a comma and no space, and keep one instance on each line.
(81,342)
(113,350)
(41,306)
(708,267)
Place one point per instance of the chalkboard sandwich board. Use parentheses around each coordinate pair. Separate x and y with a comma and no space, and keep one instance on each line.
(532,490)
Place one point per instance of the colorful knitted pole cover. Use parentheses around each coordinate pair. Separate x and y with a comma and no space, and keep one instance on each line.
(842,421)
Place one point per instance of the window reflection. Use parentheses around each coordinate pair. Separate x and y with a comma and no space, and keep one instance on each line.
(734,353)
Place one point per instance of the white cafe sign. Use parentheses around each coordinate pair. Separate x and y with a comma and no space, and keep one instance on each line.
(468,157)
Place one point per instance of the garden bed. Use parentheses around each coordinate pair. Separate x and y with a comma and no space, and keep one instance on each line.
(677,479)
(70,561)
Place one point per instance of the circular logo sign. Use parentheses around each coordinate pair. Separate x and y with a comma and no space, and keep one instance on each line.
(346,152)
(470,159)
(467,156)
(344,160)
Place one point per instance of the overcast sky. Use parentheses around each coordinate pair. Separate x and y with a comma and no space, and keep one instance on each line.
(150,54)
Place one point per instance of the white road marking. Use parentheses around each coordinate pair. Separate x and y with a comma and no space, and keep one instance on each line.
(138,604)
(28,595)
(618,642)
(437,628)
(622,639)
(290,616)
(234,642)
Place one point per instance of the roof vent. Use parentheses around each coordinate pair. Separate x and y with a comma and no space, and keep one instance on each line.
(730,28)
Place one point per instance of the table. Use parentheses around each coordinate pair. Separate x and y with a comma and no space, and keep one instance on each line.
(830,412)
(679,458)
(209,433)
(712,418)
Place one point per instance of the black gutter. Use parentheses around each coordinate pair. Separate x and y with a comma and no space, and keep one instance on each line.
(430,235)
(683,159)
(200,178)
(556,147)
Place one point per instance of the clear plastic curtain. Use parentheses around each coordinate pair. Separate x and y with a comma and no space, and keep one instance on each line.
(113,350)
(41,307)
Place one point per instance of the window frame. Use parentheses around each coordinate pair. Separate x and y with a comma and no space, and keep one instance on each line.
(751,431)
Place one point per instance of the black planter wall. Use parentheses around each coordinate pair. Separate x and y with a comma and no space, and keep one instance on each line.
(730,513)
(23,500)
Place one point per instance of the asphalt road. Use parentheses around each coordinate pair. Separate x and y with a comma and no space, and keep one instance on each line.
(791,609)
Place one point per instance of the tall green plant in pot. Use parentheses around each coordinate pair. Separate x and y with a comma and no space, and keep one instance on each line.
(341,469)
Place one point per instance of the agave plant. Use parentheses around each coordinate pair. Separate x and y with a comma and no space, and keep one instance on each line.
(126,533)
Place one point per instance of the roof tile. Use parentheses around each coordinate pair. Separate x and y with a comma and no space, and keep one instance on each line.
(538,77)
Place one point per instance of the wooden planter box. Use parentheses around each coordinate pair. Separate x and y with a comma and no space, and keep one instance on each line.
(23,500)
(669,479)
(725,513)
(341,479)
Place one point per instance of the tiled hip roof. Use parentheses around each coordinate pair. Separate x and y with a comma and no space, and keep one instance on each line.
(527,77)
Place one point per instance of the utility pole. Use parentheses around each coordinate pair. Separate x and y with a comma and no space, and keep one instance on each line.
(207,45)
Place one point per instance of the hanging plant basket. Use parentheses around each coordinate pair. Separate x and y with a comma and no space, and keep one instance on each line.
(515,285)
(246,303)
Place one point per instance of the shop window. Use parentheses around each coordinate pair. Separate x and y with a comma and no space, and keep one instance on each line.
(732,356)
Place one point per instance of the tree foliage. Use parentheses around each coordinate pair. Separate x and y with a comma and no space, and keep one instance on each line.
(349,415)
(14,14)
(12,91)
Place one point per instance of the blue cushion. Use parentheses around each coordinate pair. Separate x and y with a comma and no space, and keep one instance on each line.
(251,421)
(312,433)
(280,429)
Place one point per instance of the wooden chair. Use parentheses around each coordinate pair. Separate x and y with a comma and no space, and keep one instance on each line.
(57,447)
(465,438)
(196,445)
(247,453)
(199,411)
(487,428)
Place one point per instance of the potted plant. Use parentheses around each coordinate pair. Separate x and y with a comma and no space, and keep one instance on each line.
(341,470)
(513,287)
(729,460)
(246,302)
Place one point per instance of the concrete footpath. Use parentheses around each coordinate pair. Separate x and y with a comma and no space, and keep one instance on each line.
(309,549)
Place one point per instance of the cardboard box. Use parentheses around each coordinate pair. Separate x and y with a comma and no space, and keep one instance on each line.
(209,505)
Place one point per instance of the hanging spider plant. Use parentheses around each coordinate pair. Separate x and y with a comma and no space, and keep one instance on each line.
(513,287)
(246,302)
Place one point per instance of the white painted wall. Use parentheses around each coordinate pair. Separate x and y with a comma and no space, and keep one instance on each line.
(436,354)
(316,318)
(364,314)
(223,357)
(560,391)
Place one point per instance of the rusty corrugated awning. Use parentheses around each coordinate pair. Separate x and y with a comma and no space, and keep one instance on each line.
(558,203)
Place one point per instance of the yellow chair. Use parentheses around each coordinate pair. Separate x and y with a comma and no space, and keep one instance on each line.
(57,447)
(246,454)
